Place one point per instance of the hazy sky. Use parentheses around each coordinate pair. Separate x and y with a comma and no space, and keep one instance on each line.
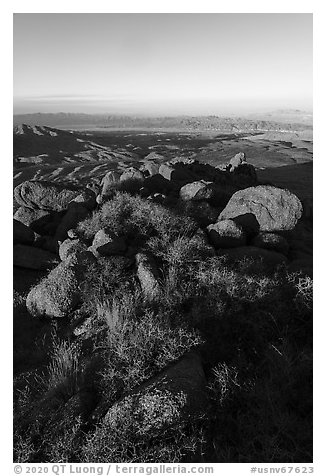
(162,63)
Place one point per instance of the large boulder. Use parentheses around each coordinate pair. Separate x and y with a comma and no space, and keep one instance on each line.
(22,234)
(41,221)
(173,397)
(148,275)
(226,234)
(59,293)
(33,258)
(275,209)
(42,195)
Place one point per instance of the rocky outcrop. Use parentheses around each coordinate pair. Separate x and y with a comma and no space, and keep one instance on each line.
(275,209)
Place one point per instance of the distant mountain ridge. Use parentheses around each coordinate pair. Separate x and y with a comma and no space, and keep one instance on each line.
(187,123)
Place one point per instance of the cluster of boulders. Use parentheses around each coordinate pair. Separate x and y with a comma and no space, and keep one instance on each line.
(240,218)
(236,216)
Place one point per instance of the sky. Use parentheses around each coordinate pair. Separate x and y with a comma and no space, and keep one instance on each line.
(162,63)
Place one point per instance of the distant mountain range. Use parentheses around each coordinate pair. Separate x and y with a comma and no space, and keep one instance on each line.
(186,123)
(289,116)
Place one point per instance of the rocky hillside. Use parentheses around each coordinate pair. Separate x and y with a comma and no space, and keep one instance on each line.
(34,144)
(164,314)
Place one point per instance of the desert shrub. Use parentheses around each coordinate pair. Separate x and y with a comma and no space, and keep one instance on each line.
(134,217)
(181,441)
(104,279)
(138,344)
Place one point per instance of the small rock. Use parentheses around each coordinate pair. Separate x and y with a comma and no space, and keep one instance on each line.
(237,160)
(132,174)
(148,275)
(106,243)
(226,234)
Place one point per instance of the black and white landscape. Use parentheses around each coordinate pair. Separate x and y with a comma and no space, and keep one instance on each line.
(162,254)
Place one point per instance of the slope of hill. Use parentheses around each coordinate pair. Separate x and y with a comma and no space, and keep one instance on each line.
(34,144)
